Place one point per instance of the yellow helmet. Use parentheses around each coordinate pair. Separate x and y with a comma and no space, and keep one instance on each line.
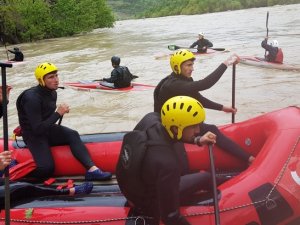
(181,111)
(179,57)
(42,70)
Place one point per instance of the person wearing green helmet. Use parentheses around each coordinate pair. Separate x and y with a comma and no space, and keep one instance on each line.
(120,77)
(202,43)
(38,114)
(180,82)
(163,171)
(19,56)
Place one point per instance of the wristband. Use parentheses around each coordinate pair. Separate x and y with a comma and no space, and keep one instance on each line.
(197,141)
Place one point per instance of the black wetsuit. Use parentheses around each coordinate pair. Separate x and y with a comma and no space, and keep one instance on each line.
(120,76)
(164,174)
(175,85)
(20,191)
(274,54)
(202,43)
(37,117)
(18,55)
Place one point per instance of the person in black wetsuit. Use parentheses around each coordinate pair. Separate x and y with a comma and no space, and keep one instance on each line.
(163,170)
(120,77)
(202,43)
(19,56)
(20,190)
(23,190)
(38,114)
(274,53)
(180,82)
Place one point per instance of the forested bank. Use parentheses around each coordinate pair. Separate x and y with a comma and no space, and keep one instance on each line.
(31,20)
(128,9)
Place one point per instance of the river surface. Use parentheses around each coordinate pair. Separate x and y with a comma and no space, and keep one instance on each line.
(140,42)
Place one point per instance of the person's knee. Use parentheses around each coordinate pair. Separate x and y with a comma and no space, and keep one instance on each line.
(73,134)
(45,170)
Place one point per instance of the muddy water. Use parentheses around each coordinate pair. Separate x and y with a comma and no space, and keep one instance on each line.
(140,42)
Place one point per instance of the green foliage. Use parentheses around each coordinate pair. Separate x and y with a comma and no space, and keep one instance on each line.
(29,20)
(154,8)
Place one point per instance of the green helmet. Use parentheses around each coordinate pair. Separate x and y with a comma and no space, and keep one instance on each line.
(181,111)
(42,70)
(179,57)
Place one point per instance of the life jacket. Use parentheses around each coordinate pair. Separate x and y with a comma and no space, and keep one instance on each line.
(124,78)
(279,56)
(129,166)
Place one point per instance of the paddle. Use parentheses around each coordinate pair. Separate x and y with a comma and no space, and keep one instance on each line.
(267,21)
(214,183)
(5,48)
(175,47)
(233,91)
(5,138)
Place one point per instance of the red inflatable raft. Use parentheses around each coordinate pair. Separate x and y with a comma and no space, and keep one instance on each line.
(265,193)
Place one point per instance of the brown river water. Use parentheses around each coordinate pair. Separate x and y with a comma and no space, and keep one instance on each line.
(139,42)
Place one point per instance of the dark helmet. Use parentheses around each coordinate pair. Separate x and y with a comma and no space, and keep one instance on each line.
(115,60)
(16,49)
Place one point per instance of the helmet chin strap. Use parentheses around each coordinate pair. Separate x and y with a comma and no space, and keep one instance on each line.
(174,130)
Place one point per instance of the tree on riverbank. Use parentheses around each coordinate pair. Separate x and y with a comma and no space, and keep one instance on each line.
(30,20)
(127,9)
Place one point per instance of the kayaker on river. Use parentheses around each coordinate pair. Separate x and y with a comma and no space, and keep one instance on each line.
(180,82)
(121,77)
(274,53)
(202,43)
(38,114)
(19,57)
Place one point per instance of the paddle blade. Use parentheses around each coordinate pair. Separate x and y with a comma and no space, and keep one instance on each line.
(173,47)
(267,20)
(218,49)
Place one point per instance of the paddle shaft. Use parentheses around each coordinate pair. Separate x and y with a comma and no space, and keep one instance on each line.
(214,184)
(175,47)
(233,92)
(267,22)
(5,48)
(5,138)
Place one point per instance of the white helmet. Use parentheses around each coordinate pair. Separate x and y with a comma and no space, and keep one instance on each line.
(274,43)
(201,34)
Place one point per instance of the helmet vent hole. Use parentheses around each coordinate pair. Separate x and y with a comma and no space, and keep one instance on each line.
(174,105)
(189,108)
(163,112)
(181,105)
(195,114)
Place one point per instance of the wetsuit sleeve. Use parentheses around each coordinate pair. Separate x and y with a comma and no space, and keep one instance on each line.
(33,110)
(208,104)
(194,44)
(208,43)
(113,76)
(11,51)
(1,111)
(204,84)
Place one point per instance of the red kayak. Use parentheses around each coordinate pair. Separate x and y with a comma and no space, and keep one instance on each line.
(15,63)
(96,86)
(193,50)
(259,62)
(266,193)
